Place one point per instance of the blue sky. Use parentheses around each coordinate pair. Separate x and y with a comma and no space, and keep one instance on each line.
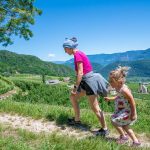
(101,26)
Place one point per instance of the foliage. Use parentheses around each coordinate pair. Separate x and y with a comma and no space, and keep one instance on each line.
(18,63)
(28,141)
(32,104)
(5,85)
(16,18)
(52,95)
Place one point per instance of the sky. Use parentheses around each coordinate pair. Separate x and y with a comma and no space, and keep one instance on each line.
(101,26)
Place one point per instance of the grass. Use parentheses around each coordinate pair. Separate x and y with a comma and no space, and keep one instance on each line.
(5,85)
(61,113)
(58,109)
(24,140)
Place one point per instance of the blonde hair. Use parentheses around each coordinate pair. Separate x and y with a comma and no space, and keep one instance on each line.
(119,74)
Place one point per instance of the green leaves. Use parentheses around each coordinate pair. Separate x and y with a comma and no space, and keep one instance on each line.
(15,19)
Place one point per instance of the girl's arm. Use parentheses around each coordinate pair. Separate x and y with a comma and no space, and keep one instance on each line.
(109,98)
(128,95)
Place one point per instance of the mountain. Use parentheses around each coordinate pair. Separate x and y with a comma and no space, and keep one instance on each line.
(140,68)
(105,59)
(12,62)
(138,60)
(58,62)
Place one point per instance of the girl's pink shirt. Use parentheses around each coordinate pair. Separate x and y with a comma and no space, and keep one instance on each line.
(81,57)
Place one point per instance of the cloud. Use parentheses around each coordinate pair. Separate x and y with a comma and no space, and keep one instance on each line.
(51,55)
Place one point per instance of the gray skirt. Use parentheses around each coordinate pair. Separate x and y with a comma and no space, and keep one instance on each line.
(94,84)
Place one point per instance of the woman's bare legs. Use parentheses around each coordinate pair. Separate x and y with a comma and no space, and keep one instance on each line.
(99,113)
(74,100)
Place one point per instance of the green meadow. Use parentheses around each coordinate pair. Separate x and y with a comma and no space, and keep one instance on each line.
(51,103)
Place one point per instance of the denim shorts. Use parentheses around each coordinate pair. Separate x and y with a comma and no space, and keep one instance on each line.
(83,85)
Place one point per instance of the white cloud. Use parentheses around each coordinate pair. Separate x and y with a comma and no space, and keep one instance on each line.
(51,55)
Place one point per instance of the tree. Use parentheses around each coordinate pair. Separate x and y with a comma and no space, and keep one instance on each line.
(16,16)
(43,78)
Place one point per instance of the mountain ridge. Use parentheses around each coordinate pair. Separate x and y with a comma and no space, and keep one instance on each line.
(105,59)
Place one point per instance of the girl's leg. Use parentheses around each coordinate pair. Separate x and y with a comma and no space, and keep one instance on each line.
(74,100)
(119,129)
(95,107)
(130,133)
(123,137)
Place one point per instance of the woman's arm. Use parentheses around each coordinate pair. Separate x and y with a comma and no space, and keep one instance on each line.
(79,73)
(78,77)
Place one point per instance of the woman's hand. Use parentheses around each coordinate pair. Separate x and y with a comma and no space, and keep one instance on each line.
(74,91)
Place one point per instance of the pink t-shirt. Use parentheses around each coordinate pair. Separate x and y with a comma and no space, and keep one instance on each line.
(81,57)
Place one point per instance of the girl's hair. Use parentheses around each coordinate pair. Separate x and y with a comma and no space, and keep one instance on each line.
(119,73)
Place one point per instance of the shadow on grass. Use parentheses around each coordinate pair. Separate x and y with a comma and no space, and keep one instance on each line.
(62,120)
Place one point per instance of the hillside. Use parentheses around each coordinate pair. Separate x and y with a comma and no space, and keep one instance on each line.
(138,60)
(11,62)
(139,68)
(5,85)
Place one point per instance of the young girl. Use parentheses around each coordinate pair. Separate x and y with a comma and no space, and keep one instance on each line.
(125,109)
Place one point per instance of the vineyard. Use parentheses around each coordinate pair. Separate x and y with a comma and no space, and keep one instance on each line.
(5,85)
(51,103)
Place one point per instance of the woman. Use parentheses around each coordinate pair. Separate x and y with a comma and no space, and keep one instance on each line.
(87,82)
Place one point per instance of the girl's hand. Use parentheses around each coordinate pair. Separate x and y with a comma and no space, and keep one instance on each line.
(107,99)
(133,117)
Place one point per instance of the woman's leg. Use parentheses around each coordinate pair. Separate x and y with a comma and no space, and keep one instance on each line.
(130,133)
(74,100)
(99,113)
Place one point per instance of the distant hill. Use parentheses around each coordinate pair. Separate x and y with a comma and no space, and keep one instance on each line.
(12,62)
(58,62)
(105,59)
(138,60)
(140,68)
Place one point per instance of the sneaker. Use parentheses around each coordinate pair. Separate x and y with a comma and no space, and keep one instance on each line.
(71,121)
(122,139)
(135,144)
(102,132)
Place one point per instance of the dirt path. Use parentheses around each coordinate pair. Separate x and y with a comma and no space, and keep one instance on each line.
(47,127)
(39,126)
